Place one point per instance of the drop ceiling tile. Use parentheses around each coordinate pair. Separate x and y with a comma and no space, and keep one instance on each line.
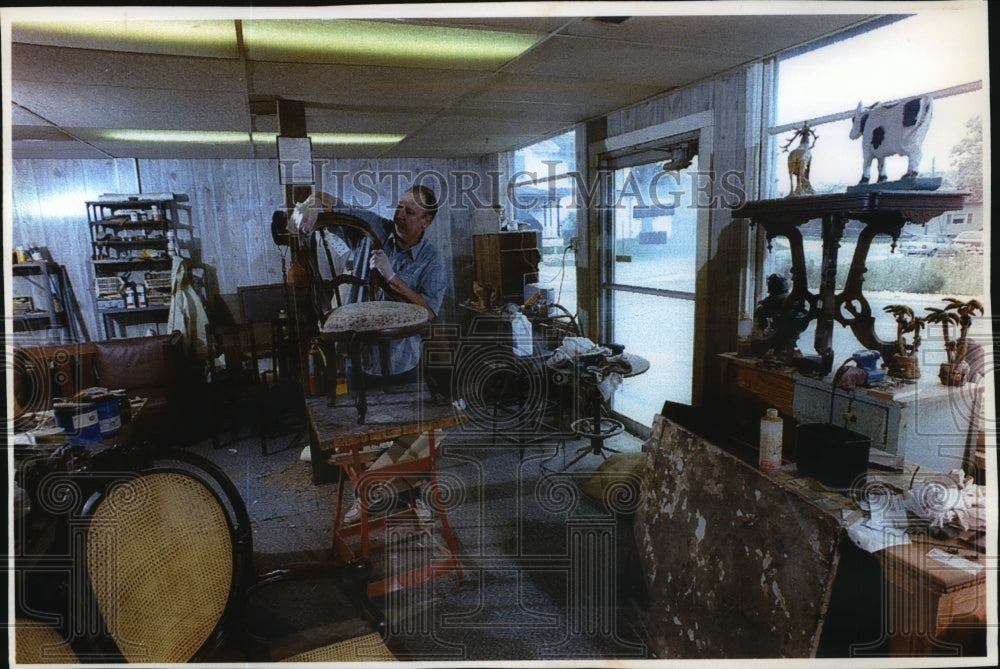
(360,86)
(372,121)
(107,68)
(133,108)
(540,92)
(600,60)
(46,133)
(744,35)
(473,136)
(484,106)
(23,117)
(47,150)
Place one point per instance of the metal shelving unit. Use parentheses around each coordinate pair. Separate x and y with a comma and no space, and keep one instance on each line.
(132,247)
(56,310)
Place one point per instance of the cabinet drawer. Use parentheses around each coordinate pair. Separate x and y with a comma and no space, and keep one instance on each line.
(775,388)
(812,405)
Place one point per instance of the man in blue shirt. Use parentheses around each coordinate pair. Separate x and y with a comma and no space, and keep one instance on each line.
(412,271)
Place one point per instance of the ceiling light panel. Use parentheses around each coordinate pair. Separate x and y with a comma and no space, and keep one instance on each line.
(383,43)
(230,137)
(210,38)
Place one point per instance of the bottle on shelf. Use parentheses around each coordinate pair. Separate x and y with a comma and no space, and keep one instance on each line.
(770,440)
(140,295)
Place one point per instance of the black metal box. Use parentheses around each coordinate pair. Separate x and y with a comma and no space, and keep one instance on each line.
(833,455)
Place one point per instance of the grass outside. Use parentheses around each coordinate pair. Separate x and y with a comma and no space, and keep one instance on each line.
(960,275)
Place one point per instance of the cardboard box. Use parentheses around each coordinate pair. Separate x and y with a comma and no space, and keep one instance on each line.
(23,305)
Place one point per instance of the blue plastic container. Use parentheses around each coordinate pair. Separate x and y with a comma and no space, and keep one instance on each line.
(109,416)
(79,419)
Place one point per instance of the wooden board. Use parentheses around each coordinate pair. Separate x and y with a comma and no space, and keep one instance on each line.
(736,566)
(405,410)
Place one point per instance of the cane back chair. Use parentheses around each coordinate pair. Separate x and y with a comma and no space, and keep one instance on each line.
(167,567)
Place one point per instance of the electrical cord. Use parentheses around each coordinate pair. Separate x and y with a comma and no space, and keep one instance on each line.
(562,272)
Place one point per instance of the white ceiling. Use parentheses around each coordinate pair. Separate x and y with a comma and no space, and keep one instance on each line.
(65,89)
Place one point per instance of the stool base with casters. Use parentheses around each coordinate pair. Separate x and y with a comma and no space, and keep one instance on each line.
(597,431)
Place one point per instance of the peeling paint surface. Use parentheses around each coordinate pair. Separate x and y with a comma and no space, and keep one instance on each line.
(730,553)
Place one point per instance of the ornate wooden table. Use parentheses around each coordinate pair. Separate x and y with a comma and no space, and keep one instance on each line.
(883,213)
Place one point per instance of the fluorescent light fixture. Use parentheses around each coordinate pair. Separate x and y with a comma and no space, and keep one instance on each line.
(350,138)
(174,136)
(342,41)
(232,137)
(354,42)
(212,38)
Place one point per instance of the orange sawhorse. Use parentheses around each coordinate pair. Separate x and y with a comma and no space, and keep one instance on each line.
(353,467)
(337,437)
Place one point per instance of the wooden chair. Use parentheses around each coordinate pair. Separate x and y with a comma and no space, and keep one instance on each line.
(349,324)
(238,390)
(166,562)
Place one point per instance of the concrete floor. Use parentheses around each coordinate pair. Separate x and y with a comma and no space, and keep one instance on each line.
(513,515)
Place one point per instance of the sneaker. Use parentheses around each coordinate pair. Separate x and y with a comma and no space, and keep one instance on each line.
(424,514)
(353,514)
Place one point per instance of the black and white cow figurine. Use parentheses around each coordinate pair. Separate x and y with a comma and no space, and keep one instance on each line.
(892,129)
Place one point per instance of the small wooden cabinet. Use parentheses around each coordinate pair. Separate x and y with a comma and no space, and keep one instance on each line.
(506,261)
(749,389)
(925,423)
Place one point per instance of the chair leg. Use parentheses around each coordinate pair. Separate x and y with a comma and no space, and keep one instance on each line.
(361,402)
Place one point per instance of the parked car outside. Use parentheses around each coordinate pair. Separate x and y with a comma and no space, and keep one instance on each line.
(928,245)
(970,241)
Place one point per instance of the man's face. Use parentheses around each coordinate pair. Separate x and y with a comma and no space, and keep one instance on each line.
(410,220)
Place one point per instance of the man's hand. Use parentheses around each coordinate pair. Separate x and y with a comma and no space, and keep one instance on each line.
(380,261)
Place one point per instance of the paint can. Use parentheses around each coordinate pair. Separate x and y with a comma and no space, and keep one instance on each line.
(109,416)
(79,419)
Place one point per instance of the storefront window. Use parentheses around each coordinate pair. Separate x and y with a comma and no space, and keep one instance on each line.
(930,54)
(543,198)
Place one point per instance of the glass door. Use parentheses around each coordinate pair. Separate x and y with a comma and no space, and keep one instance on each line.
(649,276)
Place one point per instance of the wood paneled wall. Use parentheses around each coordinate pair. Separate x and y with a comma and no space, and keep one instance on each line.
(225,211)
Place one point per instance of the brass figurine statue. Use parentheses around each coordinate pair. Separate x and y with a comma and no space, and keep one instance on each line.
(799,161)
(903,364)
(956,370)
